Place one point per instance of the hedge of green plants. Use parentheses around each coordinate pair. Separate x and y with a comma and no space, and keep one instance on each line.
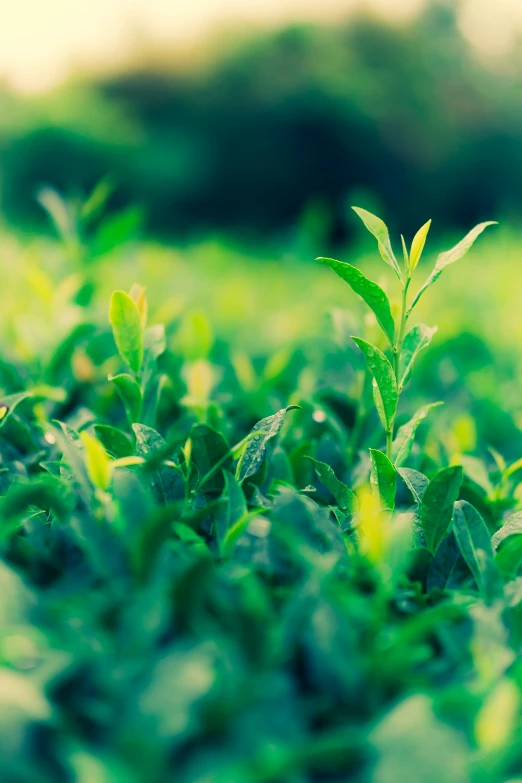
(216,569)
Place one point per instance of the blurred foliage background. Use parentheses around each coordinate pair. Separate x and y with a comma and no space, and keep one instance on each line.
(227,166)
(264,128)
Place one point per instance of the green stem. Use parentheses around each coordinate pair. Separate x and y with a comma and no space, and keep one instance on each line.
(389,443)
(402,327)
(397,348)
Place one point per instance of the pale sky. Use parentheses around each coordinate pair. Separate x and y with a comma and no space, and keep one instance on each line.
(40,40)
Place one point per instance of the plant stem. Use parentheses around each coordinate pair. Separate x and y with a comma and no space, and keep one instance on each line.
(402,326)
(389,442)
(397,348)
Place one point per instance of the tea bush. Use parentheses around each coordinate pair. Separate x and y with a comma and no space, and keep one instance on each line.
(221,568)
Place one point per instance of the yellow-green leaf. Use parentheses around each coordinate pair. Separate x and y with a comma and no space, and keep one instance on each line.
(126,323)
(97,461)
(450,256)
(417,246)
(378,228)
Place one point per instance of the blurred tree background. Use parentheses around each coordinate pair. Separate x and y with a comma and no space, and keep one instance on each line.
(284,126)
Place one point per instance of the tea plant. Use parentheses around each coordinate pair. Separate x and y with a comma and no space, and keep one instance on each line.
(391,374)
(198,583)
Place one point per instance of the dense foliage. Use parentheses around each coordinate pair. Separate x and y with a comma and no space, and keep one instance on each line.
(208,577)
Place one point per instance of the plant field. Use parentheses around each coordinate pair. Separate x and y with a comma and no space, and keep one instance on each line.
(239,545)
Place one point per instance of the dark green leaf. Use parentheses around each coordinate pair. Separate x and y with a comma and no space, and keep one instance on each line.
(233,508)
(448,569)
(166,480)
(210,454)
(415,481)
(437,504)
(344,497)
(114,440)
(474,542)
(254,453)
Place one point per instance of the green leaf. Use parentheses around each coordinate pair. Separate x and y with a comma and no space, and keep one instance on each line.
(154,341)
(130,393)
(209,449)
(416,482)
(474,542)
(511,527)
(73,462)
(369,291)
(437,504)
(97,461)
(97,198)
(450,256)
(448,569)
(378,228)
(233,508)
(344,497)
(414,342)
(45,492)
(385,386)
(238,528)
(255,450)
(383,477)
(166,479)
(403,442)
(127,329)
(405,252)
(114,440)
(417,246)
(9,402)
(508,558)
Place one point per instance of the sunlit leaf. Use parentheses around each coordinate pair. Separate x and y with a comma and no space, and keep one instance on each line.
(97,461)
(378,228)
(125,320)
(369,291)
(450,256)
(383,478)
(417,246)
(385,385)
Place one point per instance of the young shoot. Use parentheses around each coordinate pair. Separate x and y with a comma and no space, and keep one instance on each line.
(391,370)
